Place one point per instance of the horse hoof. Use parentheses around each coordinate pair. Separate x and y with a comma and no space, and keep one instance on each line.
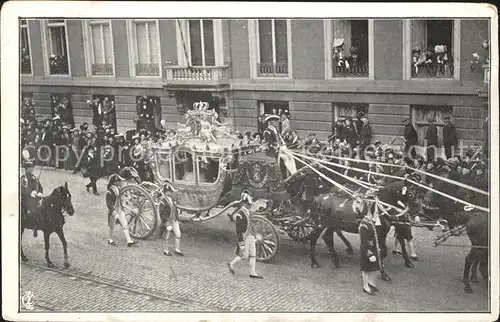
(66,265)
(409,265)
(350,251)
(468,290)
(314,265)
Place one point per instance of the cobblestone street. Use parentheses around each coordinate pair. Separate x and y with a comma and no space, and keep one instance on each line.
(106,278)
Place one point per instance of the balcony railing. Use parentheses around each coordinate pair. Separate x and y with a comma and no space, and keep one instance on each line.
(147,69)
(102,69)
(205,73)
(354,70)
(273,69)
(432,70)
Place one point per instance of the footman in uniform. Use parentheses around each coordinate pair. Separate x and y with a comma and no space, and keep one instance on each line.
(271,135)
(170,218)
(369,252)
(245,248)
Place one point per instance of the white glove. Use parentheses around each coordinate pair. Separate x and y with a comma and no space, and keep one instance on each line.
(33,194)
(40,195)
(372,259)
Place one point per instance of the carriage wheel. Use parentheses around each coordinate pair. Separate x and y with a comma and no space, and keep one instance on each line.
(303,231)
(267,240)
(140,211)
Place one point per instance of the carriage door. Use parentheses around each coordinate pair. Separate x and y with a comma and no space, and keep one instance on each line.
(163,164)
(185,179)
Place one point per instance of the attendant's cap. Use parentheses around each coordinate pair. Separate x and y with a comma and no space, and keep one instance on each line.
(272,118)
(28,164)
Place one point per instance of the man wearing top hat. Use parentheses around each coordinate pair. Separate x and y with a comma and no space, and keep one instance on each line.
(432,140)
(450,139)
(31,191)
(271,135)
(411,138)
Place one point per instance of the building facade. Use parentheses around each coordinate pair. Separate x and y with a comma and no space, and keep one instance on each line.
(244,68)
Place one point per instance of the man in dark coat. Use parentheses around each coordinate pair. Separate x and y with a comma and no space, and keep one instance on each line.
(411,138)
(369,252)
(432,140)
(365,134)
(349,133)
(450,140)
(31,191)
(271,136)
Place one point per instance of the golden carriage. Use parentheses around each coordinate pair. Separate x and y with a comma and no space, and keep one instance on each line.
(201,162)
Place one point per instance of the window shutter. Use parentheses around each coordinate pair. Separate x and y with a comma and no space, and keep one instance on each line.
(195,42)
(265,41)
(142,45)
(281,41)
(153,43)
(97,44)
(108,44)
(208,37)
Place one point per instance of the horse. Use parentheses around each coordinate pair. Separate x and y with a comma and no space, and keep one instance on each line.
(49,218)
(474,220)
(337,213)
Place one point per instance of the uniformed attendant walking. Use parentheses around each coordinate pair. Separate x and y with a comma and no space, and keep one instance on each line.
(170,218)
(369,250)
(31,191)
(92,165)
(245,248)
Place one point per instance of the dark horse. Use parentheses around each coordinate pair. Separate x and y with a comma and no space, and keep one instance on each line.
(336,212)
(49,218)
(474,220)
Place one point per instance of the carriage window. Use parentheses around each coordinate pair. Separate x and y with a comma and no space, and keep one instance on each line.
(208,169)
(184,169)
(163,165)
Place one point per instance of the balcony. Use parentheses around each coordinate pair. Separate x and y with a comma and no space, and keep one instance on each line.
(358,70)
(273,69)
(147,69)
(200,76)
(102,69)
(432,70)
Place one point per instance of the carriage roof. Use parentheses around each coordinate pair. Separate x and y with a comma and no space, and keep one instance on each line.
(203,134)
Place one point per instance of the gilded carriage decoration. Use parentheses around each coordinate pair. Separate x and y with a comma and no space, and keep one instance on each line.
(208,167)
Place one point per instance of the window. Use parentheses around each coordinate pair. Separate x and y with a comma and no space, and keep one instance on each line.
(208,169)
(58,49)
(349,48)
(163,165)
(348,110)
(184,166)
(148,112)
(25,49)
(201,41)
(273,107)
(104,110)
(61,107)
(273,47)
(432,48)
(146,47)
(421,114)
(101,48)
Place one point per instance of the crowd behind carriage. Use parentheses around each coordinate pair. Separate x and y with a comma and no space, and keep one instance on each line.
(350,138)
